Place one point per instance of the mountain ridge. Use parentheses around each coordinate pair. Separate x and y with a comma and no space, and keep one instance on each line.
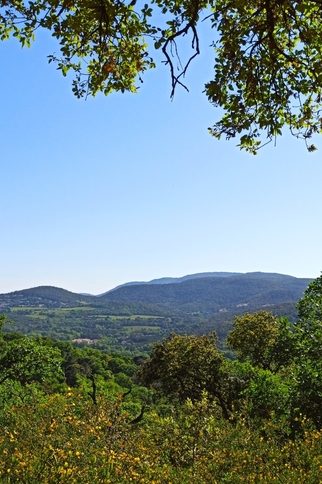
(211,294)
(195,292)
(174,280)
(136,316)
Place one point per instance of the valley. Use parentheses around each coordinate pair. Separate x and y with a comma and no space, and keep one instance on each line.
(132,317)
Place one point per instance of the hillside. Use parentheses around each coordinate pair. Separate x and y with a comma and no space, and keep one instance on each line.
(43,296)
(176,280)
(134,316)
(214,294)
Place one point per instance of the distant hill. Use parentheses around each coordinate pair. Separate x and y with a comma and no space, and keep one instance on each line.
(134,316)
(47,296)
(175,280)
(207,293)
(212,294)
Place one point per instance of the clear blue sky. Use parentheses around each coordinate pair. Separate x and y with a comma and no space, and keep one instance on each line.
(100,192)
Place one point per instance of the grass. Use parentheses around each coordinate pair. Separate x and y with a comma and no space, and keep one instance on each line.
(61,311)
(134,317)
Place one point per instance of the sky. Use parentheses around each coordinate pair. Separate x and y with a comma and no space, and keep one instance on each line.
(131,187)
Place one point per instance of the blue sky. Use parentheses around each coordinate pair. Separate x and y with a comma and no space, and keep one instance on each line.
(100,192)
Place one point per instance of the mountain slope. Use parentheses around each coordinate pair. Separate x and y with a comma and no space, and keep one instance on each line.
(135,316)
(175,280)
(194,293)
(212,294)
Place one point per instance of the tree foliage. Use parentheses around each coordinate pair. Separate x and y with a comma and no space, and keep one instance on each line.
(26,360)
(267,54)
(308,369)
(268,70)
(263,339)
(310,305)
(184,366)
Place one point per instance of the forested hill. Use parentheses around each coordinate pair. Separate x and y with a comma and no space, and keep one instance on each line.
(133,317)
(49,297)
(213,294)
(176,280)
(194,294)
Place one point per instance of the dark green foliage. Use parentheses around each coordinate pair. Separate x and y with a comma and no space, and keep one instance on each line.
(266,341)
(26,360)
(175,363)
(268,394)
(34,366)
(310,306)
(183,367)
(308,374)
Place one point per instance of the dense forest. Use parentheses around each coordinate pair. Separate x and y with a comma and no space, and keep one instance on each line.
(185,413)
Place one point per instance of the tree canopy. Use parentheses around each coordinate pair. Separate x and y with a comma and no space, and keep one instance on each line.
(175,366)
(263,339)
(267,54)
